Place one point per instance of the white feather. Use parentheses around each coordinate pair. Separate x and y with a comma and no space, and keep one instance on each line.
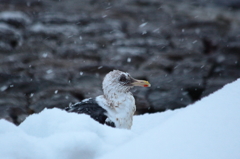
(117,100)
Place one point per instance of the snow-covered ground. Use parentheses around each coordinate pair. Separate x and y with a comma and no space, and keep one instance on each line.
(208,129)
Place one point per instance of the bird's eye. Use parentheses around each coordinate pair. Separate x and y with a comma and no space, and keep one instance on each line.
(123,78)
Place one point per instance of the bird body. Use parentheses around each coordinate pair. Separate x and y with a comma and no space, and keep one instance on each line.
(116,106)
(92,108)
(119,111)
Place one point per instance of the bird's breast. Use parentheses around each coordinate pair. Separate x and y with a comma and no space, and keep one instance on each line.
(123,112)
(119,110)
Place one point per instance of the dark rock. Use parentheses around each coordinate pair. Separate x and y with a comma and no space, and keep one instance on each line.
(188,43)
(100,28)
(232,47)
(198,67)
(53,31)
(159,63)
(86,51)
(13,106)
(98,69)
(142,42)
(49,99)
(142,103)
(180,54)
(10,38)
(160,99)
(220,26)
(131,50)
(59,19)
(233,4)
(214,84)
(51,55)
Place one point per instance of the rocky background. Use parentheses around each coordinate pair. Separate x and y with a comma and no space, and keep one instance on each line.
(56,52)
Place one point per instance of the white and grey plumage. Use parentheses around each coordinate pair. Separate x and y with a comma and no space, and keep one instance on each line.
(116,106)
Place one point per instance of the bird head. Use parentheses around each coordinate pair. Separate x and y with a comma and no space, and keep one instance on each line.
(122,81)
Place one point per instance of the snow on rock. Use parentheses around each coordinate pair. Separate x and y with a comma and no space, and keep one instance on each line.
(15,17)
(54,30)
(207,129)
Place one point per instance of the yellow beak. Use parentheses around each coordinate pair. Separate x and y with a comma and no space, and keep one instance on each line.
(141,83)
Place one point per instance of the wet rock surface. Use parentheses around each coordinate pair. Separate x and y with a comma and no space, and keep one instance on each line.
(53,52)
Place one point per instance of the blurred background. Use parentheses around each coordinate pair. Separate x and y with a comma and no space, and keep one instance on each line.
(56,52)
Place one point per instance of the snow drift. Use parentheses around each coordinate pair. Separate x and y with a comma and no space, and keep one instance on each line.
(209,128)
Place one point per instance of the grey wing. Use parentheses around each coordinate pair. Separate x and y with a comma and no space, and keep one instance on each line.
(91,108)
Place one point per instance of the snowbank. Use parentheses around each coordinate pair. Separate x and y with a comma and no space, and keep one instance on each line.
(209,128)
(55,134)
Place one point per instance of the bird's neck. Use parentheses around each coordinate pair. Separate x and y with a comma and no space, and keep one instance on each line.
(116,98)
(120,105)
(121,108)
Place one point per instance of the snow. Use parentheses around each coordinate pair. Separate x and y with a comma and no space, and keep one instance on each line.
(142,25)
(208,129)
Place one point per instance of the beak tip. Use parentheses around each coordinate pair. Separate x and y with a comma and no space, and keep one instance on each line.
(147,84)
(141,83)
